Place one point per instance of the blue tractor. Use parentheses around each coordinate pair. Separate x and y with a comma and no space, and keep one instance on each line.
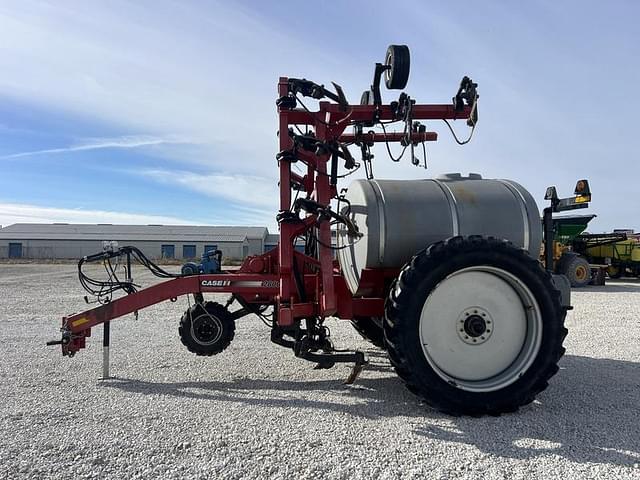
(210,262)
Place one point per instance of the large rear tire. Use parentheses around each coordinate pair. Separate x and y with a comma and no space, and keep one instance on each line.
(370,329)
(474,326)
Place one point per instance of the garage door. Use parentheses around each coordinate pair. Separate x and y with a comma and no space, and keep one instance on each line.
(188,251)
(168,251)
(15,250)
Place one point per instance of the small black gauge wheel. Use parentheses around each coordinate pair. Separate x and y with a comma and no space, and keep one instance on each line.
(206,329)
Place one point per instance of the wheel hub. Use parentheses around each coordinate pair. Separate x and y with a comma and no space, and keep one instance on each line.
(581,273)
(474,325)
(207,329)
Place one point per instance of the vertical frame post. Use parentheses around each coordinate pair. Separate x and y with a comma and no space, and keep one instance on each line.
(323,196)
(285,245)
(106,340)
(549,234)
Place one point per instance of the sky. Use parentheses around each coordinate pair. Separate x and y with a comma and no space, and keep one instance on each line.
(164,111)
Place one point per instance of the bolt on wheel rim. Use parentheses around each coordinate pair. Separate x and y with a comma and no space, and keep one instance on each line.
(475,325)
(480,328)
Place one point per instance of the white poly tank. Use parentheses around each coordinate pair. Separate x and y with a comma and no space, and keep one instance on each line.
(398,218)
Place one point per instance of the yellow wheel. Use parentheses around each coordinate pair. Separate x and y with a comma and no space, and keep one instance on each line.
(581,273)
(614,271)
(576,268)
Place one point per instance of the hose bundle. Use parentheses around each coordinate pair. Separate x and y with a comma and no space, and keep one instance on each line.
(103,290)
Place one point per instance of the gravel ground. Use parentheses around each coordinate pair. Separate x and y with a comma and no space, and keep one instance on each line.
(257,412)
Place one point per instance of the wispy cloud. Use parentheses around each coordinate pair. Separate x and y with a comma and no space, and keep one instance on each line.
(258,193)
(160,68)
(128,141)
(24,213)
(240,199)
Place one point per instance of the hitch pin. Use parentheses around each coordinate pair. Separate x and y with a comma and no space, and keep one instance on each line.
(66,338)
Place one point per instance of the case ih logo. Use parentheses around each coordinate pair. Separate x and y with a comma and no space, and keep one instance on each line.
(216,283)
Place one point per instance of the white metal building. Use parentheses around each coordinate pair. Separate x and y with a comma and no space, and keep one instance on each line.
(63,240)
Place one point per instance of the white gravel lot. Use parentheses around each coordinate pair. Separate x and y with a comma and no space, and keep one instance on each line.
(255,411)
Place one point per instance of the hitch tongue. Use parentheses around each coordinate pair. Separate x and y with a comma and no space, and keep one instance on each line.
(70,342)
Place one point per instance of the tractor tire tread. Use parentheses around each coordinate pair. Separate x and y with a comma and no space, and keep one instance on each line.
(369,330)
(217,310)
(396,323)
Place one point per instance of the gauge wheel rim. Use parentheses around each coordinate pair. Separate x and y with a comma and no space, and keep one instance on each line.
(206,329)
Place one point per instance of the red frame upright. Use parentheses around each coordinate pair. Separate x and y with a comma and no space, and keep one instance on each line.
(329,124)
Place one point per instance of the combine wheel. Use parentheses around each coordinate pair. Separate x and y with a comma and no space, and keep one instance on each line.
(206,329)
(577,270)
(474,326)
(370,328)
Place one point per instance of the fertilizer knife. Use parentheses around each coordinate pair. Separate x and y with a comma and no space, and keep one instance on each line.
(439,272)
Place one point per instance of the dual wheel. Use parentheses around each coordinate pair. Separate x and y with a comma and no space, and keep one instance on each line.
(474,326)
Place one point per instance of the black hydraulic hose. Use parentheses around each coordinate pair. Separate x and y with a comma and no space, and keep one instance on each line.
(103,289)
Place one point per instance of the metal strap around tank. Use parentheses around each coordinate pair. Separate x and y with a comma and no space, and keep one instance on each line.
(381,219)
(453,206)
(523,209)
(347,252)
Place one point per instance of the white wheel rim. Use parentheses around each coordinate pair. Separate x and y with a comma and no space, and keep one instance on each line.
(387,72)
(491,351)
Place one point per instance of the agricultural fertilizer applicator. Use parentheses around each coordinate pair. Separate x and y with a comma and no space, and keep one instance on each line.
(442,273)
